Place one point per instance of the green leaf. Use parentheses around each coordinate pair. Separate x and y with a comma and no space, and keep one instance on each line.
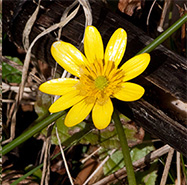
(37,173)
(65,132)
(108,138)
(140,151)
(62,131)
(115,163)
(149,176)
(42,105)
(9,73)
(91,138)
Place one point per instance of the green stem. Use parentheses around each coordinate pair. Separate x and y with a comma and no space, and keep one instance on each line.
(29,133)
(125,149)
(119,127)
(162,37)
(27,174)
(183,167)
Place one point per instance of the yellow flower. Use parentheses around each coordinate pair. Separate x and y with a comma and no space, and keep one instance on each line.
(99,78)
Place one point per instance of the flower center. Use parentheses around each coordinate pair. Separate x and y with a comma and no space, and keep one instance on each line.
(101,82)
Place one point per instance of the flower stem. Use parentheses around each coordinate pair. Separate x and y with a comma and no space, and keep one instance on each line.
(29,133)
(125,149)
(162,37)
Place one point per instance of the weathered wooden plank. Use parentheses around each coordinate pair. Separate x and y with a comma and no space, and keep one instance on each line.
(164,80)
(155,119)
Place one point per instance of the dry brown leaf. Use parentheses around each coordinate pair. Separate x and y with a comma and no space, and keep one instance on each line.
(128,6)
(28,27)
(27,107)
(87,170)
(87,11)
(9,176)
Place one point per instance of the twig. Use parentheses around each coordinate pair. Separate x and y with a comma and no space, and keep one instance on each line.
(182,11)
(27,90)
(88,15)
(13,124)
(64,74)
(63,157)
(167,166)
(42,152)
(164,11)
(28,27)
(97,169)
(147,23)
(93,153)
(8,111)
(13,101)
(87,11)
(7,87)
(64,16)
(9,117)
(178,169)
(151,141)
(46,167)
(139,164)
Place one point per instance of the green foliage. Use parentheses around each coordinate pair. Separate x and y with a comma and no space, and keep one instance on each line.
(184,168)
(37,174)
(9,73)
(64,131)
(42,105)
(147,177)
(91,138)
(108,138)
(140,151)
(114,163)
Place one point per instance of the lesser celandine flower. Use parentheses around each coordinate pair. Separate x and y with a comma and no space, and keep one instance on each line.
(99,78)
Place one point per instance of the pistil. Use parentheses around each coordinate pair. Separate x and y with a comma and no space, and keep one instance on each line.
(101,82)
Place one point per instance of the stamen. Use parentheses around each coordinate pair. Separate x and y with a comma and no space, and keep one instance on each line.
(100,80)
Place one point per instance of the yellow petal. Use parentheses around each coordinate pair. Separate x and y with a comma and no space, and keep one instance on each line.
(66,101)
(58,86)
(93,44)
(78,113)
(135,66)
(130,92)
(68,56)
(102,114)
(116,46)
